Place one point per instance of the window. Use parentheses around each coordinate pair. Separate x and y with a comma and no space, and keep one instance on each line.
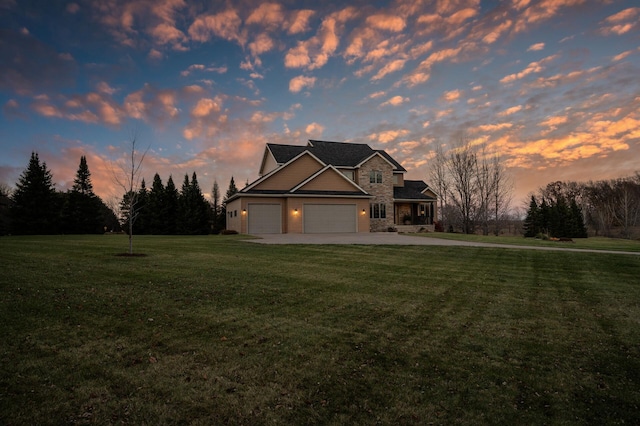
(378,211)
(348,173)
(235,213)
(375,176)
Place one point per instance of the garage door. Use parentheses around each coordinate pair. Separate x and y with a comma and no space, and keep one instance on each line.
(265,219)
(327,218)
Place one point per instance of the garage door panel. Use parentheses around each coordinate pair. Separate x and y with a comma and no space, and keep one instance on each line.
(265,218)
(329,218)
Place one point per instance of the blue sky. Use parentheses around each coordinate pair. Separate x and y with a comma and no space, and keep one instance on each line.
(550,85)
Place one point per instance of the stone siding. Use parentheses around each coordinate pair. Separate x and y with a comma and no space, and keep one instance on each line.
(383,192)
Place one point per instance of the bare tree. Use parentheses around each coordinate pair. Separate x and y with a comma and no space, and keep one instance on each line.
(439,178)
(129,180)
(461,165)
(502,192)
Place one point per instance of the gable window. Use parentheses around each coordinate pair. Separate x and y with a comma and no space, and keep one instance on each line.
(378,211)
(375,176)
(348,173)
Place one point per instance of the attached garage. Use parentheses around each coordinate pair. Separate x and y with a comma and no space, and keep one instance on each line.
(265,219)
(329,218)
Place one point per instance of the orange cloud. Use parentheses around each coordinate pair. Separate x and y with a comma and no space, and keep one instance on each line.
(300,82)
(510,111)
(386,22)
(451,96)
(225,25)
(392,66)
(395,101)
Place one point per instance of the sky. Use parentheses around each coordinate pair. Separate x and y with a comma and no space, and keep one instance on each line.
(552,86)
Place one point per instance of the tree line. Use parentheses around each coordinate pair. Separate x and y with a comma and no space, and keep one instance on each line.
(35,207)
(609,208)
(473,186)
(163,210)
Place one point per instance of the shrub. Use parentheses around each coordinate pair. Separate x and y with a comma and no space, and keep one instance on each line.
(228,232)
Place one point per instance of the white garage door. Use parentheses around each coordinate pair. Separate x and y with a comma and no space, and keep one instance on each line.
(326,218)
(265,219)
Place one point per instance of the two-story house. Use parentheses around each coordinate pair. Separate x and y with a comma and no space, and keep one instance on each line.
(326,187)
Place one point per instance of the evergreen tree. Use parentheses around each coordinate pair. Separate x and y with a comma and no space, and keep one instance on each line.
(217,222)
(194,209)
(35,208)
(155,204)
(230,192)
(579,230)
(82,212)
(142,223)
(170,208)
(532,219)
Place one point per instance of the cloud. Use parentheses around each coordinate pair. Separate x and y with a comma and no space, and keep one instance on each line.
(315,52)
(395,101)
(386,22)
(300,82)
(392,66)
(28,65)
(452,96)
(314,129)
(535,47)
(621,22)
(388,135)
(225,25)
(89,108)
(532,68)
(510,111)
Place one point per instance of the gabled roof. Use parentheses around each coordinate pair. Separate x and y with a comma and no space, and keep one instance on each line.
(412,190)
(338,154)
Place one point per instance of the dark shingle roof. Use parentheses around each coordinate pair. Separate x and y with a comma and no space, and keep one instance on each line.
(338,154)
(412,190)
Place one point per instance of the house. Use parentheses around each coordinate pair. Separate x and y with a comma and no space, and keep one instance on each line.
(326,187)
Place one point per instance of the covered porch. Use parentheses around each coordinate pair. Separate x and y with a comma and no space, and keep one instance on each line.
(418,213)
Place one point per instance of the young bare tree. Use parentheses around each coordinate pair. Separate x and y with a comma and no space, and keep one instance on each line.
(128,178)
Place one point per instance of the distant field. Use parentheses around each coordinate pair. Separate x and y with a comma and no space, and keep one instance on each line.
(213,330)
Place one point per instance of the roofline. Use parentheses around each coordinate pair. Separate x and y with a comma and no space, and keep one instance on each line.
(277,169)
(412,200)
(293,195)
(324,169)
(371,156)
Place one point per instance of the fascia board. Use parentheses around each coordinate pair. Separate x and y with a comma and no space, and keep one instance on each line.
(324,169)
(373,155)
(277,169)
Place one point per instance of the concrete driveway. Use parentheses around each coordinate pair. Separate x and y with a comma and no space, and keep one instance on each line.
(393,238)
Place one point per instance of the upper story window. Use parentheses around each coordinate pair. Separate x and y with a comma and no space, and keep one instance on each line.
(349,174)
(375,176)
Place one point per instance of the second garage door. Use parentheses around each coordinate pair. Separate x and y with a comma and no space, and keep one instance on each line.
(329,218)
(265,218)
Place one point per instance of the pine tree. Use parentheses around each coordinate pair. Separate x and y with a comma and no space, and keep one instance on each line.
(530,222)
(36,206)
(82,212)
(194,209)
(170,208)
(217,219)
(155,204)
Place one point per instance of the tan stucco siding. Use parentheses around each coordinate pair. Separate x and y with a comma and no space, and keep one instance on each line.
(291,175)
(234,217)
(269,163)
(329,180)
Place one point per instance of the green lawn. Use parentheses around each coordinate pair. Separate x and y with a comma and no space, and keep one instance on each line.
(215,330)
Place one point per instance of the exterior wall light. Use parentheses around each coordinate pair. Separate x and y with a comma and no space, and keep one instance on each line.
(295,211)
(244,211)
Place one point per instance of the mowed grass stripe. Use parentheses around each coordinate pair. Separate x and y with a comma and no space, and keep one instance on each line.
(210,330)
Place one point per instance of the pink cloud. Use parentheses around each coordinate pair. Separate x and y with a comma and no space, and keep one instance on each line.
(225,25)
(395,101)
(300,82)
(535,47)
(392,66)
(386,22)
(452,96)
